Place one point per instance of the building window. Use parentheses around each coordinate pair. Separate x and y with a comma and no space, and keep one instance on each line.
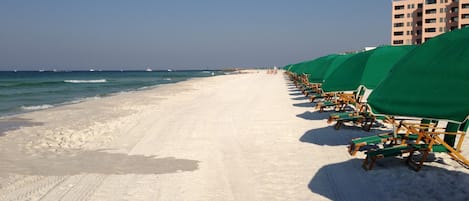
(453,28)
(398,42)
(441,29)
(430,1)
(465,5)
(454,9)
(399,16)
(464,25)
(465,16)
(398,24)
(419,5)
(418,41)
(419,23)
(432,20)
(418,32)
(430,30)
(442,19)
(398,33)
(399,7)
(430,11)
(419,14)
(454,19)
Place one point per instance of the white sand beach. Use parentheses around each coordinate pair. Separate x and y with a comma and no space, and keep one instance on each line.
(243,137)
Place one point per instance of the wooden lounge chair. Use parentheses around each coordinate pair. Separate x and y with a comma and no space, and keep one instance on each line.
(437,144)
(372,156)
(360,117)
(339,104)
(427,141)
(400,135)
(320,95)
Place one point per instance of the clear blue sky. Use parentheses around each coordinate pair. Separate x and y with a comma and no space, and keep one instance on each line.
(184,34)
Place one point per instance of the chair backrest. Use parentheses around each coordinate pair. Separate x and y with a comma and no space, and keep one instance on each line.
(359,94)
(451,127)
(430,123)
(464,126)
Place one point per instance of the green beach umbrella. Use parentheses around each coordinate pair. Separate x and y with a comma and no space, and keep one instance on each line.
(316,67)
(326,66)
(299,68)
(365,69)
(308,67)
(432,81)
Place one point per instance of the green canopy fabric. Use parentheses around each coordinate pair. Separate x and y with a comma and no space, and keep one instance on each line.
(324,68)
(381,62)
(431,82)
(365,69)
(308,67)
(318,67)
(299,68)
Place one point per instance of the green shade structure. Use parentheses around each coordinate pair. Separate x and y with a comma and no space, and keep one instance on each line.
(431,82)
(365,69)
(325,67)
(299,68)
(309,67)
(318,67)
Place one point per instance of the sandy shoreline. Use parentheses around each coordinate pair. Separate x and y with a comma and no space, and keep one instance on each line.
(234,137)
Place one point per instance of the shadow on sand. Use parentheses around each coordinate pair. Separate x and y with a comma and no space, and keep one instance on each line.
(91,162)
(304,104)
(15,123)
(313,115)
(389,180)
(332,137)
(300,98)
(296,93)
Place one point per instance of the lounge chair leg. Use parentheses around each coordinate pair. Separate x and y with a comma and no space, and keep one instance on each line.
(373,160)
(413,164)
(353,149)
(365,163)
(369,165)
(337,125)
(366,125)
(424,158)
(329,120)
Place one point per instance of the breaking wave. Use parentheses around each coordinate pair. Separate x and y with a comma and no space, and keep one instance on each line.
(36,107)
(85,81)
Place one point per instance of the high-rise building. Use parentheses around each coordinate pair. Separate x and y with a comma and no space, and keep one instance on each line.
(416,21)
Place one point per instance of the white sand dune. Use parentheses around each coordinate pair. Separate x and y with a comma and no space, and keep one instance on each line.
(235,137)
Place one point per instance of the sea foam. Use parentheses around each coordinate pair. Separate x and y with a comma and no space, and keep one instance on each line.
(86,81)
(36,107)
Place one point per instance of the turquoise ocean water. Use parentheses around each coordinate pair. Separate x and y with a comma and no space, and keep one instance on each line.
(27,91)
